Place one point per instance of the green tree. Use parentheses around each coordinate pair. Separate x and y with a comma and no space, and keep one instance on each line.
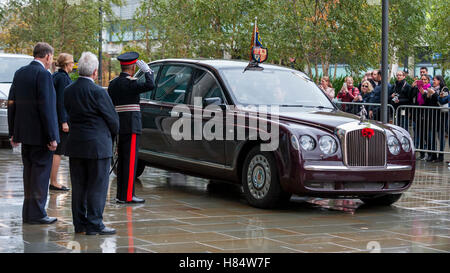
(69,26)
(437,31)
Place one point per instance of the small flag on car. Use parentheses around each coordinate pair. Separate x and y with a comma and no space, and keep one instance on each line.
(259,53)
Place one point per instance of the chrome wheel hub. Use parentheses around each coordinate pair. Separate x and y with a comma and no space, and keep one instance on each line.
(259,177)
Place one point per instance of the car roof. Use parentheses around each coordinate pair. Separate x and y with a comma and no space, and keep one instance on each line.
(15,55)
(223,64)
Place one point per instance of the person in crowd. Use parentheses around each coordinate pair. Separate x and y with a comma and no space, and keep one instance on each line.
(125,94)
(375,97)
(367,77)
(93,125)
(406,72)
(419,116)
(375,79)
(401,95)
(424,71)
(440,117)
(348,93)
(363,97)
(366,90)
(61,80)
(327,87)
(32,121)
(444,98)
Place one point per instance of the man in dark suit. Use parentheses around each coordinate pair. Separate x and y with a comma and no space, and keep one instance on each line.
(93,124)
(33,122)
(375,97)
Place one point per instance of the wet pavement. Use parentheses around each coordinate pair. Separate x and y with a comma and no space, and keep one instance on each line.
(188,214)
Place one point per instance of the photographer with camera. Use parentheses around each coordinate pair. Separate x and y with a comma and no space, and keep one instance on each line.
(436,96)
(401,95)
(125,93)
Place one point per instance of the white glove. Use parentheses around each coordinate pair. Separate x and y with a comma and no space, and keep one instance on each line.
(143,66)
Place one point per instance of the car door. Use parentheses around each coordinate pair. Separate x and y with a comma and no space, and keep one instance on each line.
(174,81)
(206,86)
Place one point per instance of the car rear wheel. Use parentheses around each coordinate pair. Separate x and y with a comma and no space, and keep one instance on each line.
(260,180)
(385,200)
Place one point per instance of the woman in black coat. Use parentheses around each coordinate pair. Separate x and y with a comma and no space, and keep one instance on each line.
(61,80)
(439,119)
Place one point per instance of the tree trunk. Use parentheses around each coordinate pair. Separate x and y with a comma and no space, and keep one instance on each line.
(316,68)
(335,71)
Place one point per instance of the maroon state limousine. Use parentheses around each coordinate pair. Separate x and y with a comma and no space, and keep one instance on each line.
(321,151)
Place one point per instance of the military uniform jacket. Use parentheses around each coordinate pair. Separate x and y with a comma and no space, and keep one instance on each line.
(125,90)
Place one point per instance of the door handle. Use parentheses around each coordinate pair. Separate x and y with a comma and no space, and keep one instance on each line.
(175,114)
(180,114)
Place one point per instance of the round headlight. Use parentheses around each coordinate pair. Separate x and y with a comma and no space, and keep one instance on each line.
(295,143)
(307,143)
(327,145)
(394,145)
(406,145)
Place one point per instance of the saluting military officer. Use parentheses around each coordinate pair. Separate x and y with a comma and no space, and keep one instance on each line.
(125,94)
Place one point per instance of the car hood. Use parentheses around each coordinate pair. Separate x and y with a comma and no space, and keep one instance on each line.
(4,90)
(326,119)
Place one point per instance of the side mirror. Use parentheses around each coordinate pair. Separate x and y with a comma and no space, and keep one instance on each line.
(212,101)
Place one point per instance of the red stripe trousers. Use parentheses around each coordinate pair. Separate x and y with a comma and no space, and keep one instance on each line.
(128,148)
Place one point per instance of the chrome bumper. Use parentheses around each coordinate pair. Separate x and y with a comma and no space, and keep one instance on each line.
(341,168)
(4,122)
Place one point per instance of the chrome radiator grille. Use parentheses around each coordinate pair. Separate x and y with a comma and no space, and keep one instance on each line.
(365,152)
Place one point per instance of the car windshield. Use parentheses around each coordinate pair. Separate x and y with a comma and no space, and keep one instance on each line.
(274,87)
(9,66)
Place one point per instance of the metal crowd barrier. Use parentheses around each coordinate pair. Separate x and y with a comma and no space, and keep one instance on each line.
(428,126)
(355,108)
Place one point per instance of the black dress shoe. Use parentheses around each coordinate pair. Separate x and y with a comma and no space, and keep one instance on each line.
(80,230)
(63,188)
(134,200)
(431,158)
(421,157)
(44,221)
(104,231)
(137,200)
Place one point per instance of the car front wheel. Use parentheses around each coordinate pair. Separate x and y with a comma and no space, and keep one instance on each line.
(385,200)
(260,180)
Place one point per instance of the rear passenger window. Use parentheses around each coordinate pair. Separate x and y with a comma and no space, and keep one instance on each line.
(173,83)
(141,78)
(205,86)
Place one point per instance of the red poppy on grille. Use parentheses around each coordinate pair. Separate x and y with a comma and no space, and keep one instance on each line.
(367,132)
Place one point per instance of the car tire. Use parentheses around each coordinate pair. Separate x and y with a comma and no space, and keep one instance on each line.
(385,200)
(260,180)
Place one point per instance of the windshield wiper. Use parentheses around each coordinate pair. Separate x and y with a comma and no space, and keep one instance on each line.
(291,105)
(321,107)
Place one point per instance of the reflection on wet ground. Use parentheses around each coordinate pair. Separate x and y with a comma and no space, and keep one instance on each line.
(188,214)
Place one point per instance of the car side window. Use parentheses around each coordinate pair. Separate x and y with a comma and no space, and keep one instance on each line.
(141,78)
(205,86)
(173,83)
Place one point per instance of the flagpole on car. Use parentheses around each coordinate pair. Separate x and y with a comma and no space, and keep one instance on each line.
(254,33)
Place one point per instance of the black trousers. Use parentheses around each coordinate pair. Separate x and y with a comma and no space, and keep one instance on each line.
(37,165)
(90,181)
(128,148)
